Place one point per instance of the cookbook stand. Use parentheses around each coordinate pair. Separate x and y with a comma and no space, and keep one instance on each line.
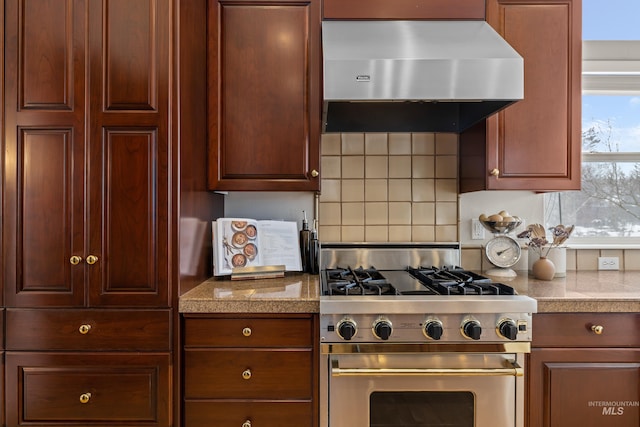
(502,250)
(259,272)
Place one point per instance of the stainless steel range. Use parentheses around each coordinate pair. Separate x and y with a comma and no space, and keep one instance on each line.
(410,339)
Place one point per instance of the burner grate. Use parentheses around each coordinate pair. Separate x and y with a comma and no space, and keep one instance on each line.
(456,281)
(358,281)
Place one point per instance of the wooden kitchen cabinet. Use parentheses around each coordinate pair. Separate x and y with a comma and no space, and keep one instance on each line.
(264,74)
(100,370)
(579,377)
(534,144)
(2,381)
(1,198)
(403,9)
(261,369)
(86,150)
(88,329)
(87,210)
(88,389)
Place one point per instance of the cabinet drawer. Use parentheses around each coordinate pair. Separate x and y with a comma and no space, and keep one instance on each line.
(89,388)
(134,330)
(248,332)
(575,330)
(235,414)
(271,374)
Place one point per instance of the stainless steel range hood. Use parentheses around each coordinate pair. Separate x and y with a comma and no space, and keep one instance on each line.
(416,76)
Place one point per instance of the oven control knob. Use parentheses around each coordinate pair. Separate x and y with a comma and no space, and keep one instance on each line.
(472,329)
(433,329)
(382,329)
(508,329)
(347,329)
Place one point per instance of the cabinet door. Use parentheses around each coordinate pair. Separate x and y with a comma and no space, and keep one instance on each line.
(87,179)
(534,144)
(129,153)
(584,388)
(264,94)
(44,152)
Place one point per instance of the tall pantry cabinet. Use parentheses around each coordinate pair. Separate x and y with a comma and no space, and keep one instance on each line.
(86,214)
(1,191)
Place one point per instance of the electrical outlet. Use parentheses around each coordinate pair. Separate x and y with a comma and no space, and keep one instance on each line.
(608,263)
(477,230)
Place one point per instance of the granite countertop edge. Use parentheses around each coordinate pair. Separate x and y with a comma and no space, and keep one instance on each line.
(591,291)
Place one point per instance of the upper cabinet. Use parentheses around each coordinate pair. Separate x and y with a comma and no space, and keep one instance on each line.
(264,95)
(534,144)
(403,9)
(86,153)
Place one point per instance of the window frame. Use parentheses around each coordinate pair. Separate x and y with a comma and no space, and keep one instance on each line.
(610,67)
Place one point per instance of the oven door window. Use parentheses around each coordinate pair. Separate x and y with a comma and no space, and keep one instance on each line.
(421,409)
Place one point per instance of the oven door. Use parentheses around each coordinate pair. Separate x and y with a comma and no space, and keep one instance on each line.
(452,389)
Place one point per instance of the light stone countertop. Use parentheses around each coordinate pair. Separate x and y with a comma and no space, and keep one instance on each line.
(584,291)
(295,293)
(591,291)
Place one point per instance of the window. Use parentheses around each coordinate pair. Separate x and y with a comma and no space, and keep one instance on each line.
(608,206)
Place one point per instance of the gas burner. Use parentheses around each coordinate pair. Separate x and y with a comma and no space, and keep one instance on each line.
(456,281)
(358,281)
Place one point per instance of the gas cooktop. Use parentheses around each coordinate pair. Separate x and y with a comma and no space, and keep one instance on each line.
(384,293)
(350,281)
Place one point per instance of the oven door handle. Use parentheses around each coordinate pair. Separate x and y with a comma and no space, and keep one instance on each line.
(515,370)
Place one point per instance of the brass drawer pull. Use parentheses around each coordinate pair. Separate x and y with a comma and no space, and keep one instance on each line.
(246,374)
(84,329)
(246,423)
(246,332)
(92,259)
(315,173)
(597,329)
(84,398)
(75,260)
(495,172)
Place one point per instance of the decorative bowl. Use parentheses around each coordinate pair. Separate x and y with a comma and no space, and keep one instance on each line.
(501,227)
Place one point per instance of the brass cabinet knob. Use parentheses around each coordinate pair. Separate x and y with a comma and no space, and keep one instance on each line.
(246,374)
(495,172)
(246,423)
(315,173)
(246,332)
(75,260)
(84,329)
(92,259)
(597,329)
(84,397)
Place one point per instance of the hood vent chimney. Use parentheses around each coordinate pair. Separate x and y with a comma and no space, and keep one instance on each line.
(416,76)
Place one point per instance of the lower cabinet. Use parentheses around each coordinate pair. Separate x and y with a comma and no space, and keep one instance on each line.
(88,368)
(1,360)
(247,414)
(253,371)
(53,389)
(585,370)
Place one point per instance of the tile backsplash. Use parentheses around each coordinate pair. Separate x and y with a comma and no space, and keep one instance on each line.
(576,259)
(379,187)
